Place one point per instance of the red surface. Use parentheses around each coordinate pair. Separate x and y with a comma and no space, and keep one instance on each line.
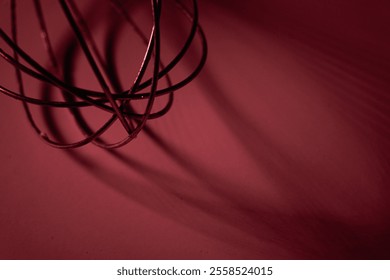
(278,150)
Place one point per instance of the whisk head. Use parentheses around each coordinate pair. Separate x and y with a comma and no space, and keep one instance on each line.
(120,104)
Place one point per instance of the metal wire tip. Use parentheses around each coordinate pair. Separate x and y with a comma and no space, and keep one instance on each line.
(121,105)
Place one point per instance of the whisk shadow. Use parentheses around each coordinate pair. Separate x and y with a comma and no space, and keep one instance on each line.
(207,198)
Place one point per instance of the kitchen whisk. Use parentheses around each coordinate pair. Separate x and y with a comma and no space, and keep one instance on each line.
(119,104)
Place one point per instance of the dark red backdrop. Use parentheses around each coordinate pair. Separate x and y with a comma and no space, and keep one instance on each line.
(278,150)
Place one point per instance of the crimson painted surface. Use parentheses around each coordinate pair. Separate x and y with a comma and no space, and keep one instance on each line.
(278,150)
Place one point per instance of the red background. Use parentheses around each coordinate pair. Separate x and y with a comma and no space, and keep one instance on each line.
(278,150)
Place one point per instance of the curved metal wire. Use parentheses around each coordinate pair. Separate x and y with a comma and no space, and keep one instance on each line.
(116,102)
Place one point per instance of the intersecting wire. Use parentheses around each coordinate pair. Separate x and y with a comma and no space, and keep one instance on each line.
(117,103)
